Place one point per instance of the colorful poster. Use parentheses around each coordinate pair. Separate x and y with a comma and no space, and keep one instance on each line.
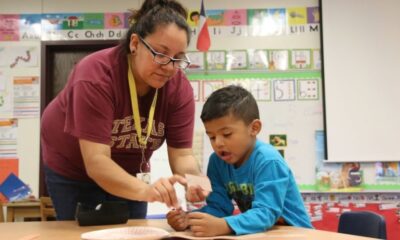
(93,21)
(215,17)
(257,19)
(267,22)
(216,60)
(114,20)
(221,23)
(193,18)
(236,60)
(8,138)
(197,61)
(343,177)
(7,166)
(72,21)
(26,96)
(19,56)
(300,59)
(313,15)
(316,59)
(277,20)
(128,20)
(6,100)
(9,27)
(261,89)
(336,177)
(235,17)
(51,26)
(387,172)
(307,89)
(284,90)
(278,60)
(297,16)
(258,59)
(278,140)
(30,26)
(52,21)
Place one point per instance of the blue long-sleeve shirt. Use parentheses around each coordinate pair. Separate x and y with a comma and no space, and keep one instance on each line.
(263,188)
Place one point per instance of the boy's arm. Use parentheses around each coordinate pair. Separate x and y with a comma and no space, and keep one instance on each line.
(206,225)
(270,187)
(218,202)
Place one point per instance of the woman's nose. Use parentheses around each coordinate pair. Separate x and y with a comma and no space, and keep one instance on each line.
(169,67)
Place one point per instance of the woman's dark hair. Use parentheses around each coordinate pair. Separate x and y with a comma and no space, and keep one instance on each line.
(228,100)
(155,13)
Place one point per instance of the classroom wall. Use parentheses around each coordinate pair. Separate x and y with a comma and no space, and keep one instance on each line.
(302,120)
(28,129)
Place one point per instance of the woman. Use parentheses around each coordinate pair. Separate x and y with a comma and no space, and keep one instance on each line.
(118,106)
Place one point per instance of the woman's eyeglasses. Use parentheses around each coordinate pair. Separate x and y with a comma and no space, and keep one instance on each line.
(164,59)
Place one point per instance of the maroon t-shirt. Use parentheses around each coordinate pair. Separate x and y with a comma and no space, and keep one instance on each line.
(95,105)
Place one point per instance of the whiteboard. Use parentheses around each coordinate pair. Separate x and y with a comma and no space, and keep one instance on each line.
(361,63)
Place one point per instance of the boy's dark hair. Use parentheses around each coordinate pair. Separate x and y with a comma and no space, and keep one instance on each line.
(233,100)
(155,13)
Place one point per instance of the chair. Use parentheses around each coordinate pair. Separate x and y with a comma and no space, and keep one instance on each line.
(46,209)
(363,223)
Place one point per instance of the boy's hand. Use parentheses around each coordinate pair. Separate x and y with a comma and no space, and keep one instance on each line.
(206,225)
(177,219)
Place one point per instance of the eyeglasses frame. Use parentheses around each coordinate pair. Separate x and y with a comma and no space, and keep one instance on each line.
(171,59)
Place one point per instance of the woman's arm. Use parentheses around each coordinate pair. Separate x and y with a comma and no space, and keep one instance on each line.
(115,180)
(182,161)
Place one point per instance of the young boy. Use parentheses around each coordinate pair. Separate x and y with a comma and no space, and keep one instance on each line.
(243,169)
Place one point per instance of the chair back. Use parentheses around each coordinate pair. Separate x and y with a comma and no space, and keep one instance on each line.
(363,223)
(46,208)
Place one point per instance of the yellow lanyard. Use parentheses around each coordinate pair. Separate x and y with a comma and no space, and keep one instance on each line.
(135,108)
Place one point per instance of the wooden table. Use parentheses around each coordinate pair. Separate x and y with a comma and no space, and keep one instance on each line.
(21,209)
(69,230)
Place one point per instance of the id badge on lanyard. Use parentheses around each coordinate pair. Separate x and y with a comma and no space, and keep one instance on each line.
(144,174)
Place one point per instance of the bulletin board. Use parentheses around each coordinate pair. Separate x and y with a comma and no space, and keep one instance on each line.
(272,51)
(279,65)
(290,110)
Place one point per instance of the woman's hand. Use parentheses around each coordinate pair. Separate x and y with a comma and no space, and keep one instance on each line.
(177,219)
(163,191)
(196,194)
(206,225)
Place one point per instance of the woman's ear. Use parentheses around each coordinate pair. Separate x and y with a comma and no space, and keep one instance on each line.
(255,127)
(133,43)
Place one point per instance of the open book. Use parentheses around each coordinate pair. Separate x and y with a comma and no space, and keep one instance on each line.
(140,232)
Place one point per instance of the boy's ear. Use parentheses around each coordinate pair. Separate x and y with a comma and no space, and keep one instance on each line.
(255,127)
